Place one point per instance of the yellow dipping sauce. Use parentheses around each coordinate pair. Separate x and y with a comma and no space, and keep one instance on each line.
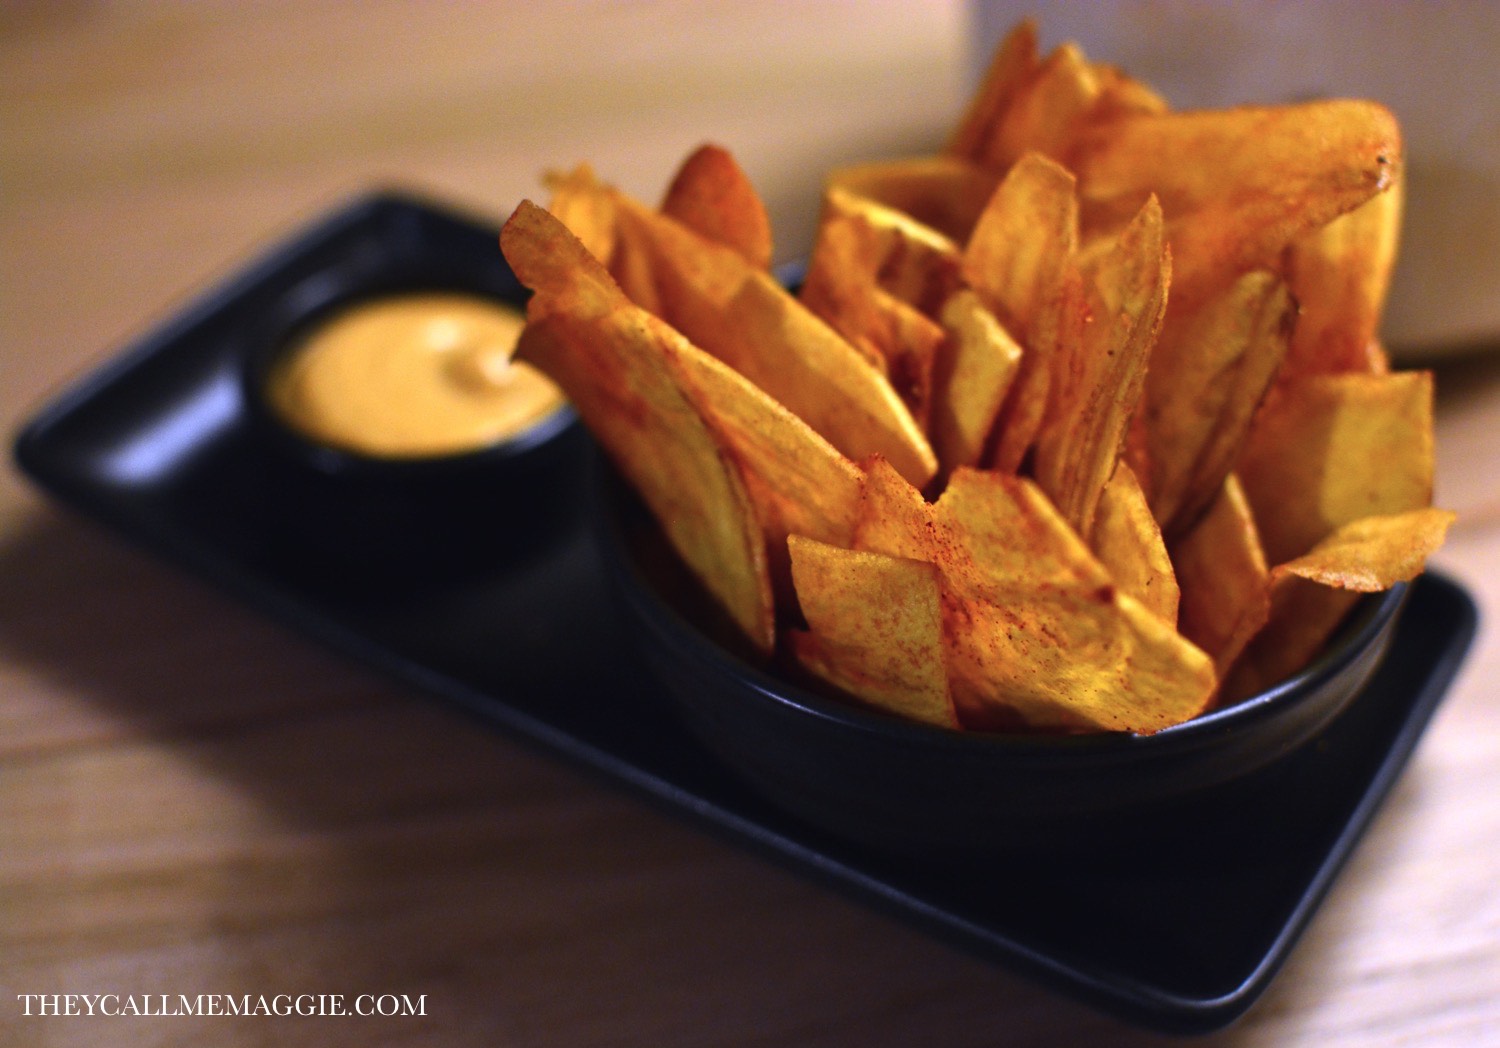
(411,376)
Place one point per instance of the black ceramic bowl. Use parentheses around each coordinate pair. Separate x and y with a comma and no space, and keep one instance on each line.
(402,518)
(908,787)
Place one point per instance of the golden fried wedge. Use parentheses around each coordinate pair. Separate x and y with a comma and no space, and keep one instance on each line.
(841,287)
(1277,173)
(1047,112)
(1334,448)
(908,258)
(1013,63)
(1020,260)
(1213,362)
(1373,553)
(875,629)
(1223,578)
(977,362)
(947,193)
(582,203)
(1031,104)
(1098,378)
(712,195)
(1034,630)
(1339,275)
(612,359)
(797,481)
(1312,594)
(1128,541)
(1041,630)
(1303,616)
(741,315)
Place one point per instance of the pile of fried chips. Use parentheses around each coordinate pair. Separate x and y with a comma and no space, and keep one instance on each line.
(1080,425)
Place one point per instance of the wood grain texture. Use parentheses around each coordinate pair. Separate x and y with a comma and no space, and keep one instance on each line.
(194,800)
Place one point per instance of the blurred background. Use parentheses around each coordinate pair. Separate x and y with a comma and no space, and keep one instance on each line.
(157,145)
(143,135)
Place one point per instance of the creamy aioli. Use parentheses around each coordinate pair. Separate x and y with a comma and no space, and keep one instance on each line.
(413,375)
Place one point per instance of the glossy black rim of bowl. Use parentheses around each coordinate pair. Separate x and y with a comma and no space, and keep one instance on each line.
(1353,640)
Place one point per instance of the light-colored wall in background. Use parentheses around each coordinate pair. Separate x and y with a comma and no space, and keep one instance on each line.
(1433,62)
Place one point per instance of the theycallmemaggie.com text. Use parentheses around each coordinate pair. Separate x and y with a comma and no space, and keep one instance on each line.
(114,1005)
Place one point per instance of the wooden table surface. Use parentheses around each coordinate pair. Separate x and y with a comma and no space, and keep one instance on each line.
(195,800)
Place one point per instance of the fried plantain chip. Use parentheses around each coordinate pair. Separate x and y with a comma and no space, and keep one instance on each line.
(976,365)
(797,481)
(1373,553)
(1122,95)
(839,282)
(1008,536)
(1047,112)
(1303,615)
(1340,274)
(1313,594)
(1020,260)
(1014,60)
(1128,541)
(908,258)
(1210,370)
(611,358)
(1277,173)
(1035,632)
(581,202)
(1074,660)
(1223,578)
(741,315)
(1042,631)
(840,287)
(1334,448)
(1031,104)
(1098,378)
(875,628)
(947,193)
(713,196)
(1082,424)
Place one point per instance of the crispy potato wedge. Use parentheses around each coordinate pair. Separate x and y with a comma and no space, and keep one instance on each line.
(910,259)
(580,202)
(840,286)
(1028,103)
(1042,630)
(1303,616)
(1013,62)
(797,481)
(1081,424)
(1311,595)
(1373,553)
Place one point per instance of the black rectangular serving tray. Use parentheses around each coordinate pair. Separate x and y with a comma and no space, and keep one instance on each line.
(1184,936)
